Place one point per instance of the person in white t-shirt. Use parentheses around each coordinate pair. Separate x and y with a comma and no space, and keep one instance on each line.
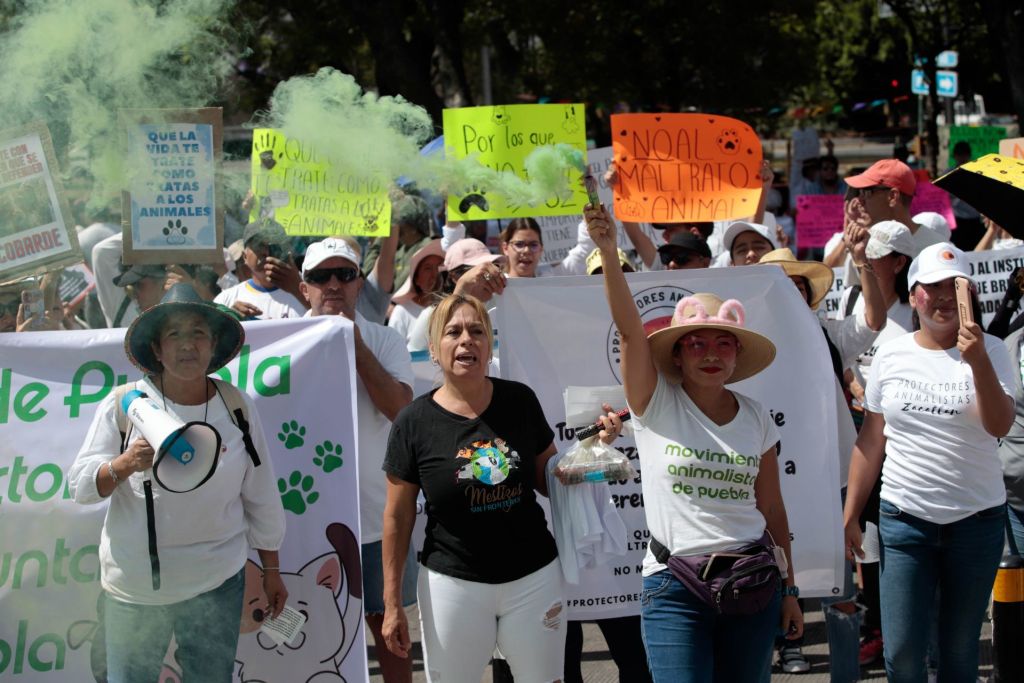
(936,403)
(712,483)
(273,290)
(331,282)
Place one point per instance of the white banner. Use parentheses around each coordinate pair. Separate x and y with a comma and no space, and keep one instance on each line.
(301,374)
(991,271)
(557,332)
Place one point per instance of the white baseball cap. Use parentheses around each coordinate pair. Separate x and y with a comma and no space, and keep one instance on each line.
(737,227)
(887,237)
(936,263)
(332,247)
(934,221)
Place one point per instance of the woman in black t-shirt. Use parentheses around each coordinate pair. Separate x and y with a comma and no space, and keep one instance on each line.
(477,447)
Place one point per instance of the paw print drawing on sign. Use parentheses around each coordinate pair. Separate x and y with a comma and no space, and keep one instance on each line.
(370,221)
(729,142)
(500,115)
(631,209)
(292,434)
(474,197)
(175,232)
(570,124)
(328,456)
(297,493)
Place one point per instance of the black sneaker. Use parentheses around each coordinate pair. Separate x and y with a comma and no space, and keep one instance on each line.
(792,660)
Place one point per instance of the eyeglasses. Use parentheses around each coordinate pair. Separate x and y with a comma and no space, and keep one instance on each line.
(699,346)
(522,245)
(866,191)
(10,309)
(679,256)
(320,276)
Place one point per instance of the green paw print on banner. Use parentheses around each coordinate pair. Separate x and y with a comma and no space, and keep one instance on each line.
(328,456)
(296,493)
(292,434)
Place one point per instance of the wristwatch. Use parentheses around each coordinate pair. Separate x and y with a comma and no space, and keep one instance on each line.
(790,590)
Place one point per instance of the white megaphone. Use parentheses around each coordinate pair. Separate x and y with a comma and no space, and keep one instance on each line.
(186,454)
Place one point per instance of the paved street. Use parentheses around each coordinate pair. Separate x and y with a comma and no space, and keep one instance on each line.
(599,668)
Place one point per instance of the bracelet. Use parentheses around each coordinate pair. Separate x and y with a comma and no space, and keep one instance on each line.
(271,569)
(112,473)
(790,590)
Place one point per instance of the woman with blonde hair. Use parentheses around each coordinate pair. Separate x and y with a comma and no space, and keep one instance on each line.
(477,446)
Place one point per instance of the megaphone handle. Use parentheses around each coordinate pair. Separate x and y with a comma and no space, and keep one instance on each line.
(154,556)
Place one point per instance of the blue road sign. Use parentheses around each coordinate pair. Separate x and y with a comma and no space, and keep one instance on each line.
(947,59)
(918,85)
(947,83)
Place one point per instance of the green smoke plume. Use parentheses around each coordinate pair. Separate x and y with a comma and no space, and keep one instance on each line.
(360,131)
(75,63)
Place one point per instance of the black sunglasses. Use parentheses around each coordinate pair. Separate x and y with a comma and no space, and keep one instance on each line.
(680,256)
(319,276)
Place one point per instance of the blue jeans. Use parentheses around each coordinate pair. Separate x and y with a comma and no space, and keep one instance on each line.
(1015,535)
(917,557)
(204,627)
(843,633)
(687,641)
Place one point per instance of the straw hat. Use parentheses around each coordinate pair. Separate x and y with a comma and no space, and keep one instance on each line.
(817,273)
(708,312)
(182,298)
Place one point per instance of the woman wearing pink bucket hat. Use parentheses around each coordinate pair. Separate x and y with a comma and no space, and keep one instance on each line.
(710,485)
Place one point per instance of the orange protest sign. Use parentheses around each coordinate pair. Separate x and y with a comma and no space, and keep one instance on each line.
(685,167)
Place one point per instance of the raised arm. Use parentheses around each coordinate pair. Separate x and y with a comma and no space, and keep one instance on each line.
(645,248)
(639,376)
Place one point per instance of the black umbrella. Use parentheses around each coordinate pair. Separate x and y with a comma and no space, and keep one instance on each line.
(994,185)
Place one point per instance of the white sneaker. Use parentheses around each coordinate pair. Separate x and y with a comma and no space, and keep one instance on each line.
(792,660)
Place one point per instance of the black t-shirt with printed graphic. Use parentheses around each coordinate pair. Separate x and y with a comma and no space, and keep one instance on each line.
(478,477)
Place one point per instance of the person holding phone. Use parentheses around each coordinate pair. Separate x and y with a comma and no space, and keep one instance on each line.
(676,385)
(936,403)
(273,291)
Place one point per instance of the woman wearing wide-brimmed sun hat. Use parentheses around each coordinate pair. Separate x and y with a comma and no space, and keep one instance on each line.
(171,563)
(675,381)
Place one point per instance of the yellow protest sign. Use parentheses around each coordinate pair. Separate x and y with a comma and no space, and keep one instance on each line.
(309,194)
(501,138)
(676,168)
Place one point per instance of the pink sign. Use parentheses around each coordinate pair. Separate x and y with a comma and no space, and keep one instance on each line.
(818,217)
(931,198)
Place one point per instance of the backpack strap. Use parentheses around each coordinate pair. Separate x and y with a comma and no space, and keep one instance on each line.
(121,310)
(119,414)
(239,412)
(851,300)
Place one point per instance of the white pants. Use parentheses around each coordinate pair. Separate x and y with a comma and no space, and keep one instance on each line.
(461,621)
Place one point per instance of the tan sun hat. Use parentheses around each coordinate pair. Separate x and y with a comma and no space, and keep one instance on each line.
(708,312)
(817,273)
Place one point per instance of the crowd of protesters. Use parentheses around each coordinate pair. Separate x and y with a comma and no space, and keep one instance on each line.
(910,480)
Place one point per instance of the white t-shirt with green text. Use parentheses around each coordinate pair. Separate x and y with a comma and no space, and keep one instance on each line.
(698,476)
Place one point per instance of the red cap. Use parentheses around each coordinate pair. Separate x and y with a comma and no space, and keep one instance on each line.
(887,172)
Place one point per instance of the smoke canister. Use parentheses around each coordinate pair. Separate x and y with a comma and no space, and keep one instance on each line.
(162,430)
(1008,621)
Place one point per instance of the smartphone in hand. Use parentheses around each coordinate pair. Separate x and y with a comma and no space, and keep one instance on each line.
(963,300)
(33,307)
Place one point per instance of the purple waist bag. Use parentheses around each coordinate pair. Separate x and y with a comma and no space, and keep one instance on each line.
(746,586)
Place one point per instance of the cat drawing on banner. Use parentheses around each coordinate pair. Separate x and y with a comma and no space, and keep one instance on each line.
(329,591)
